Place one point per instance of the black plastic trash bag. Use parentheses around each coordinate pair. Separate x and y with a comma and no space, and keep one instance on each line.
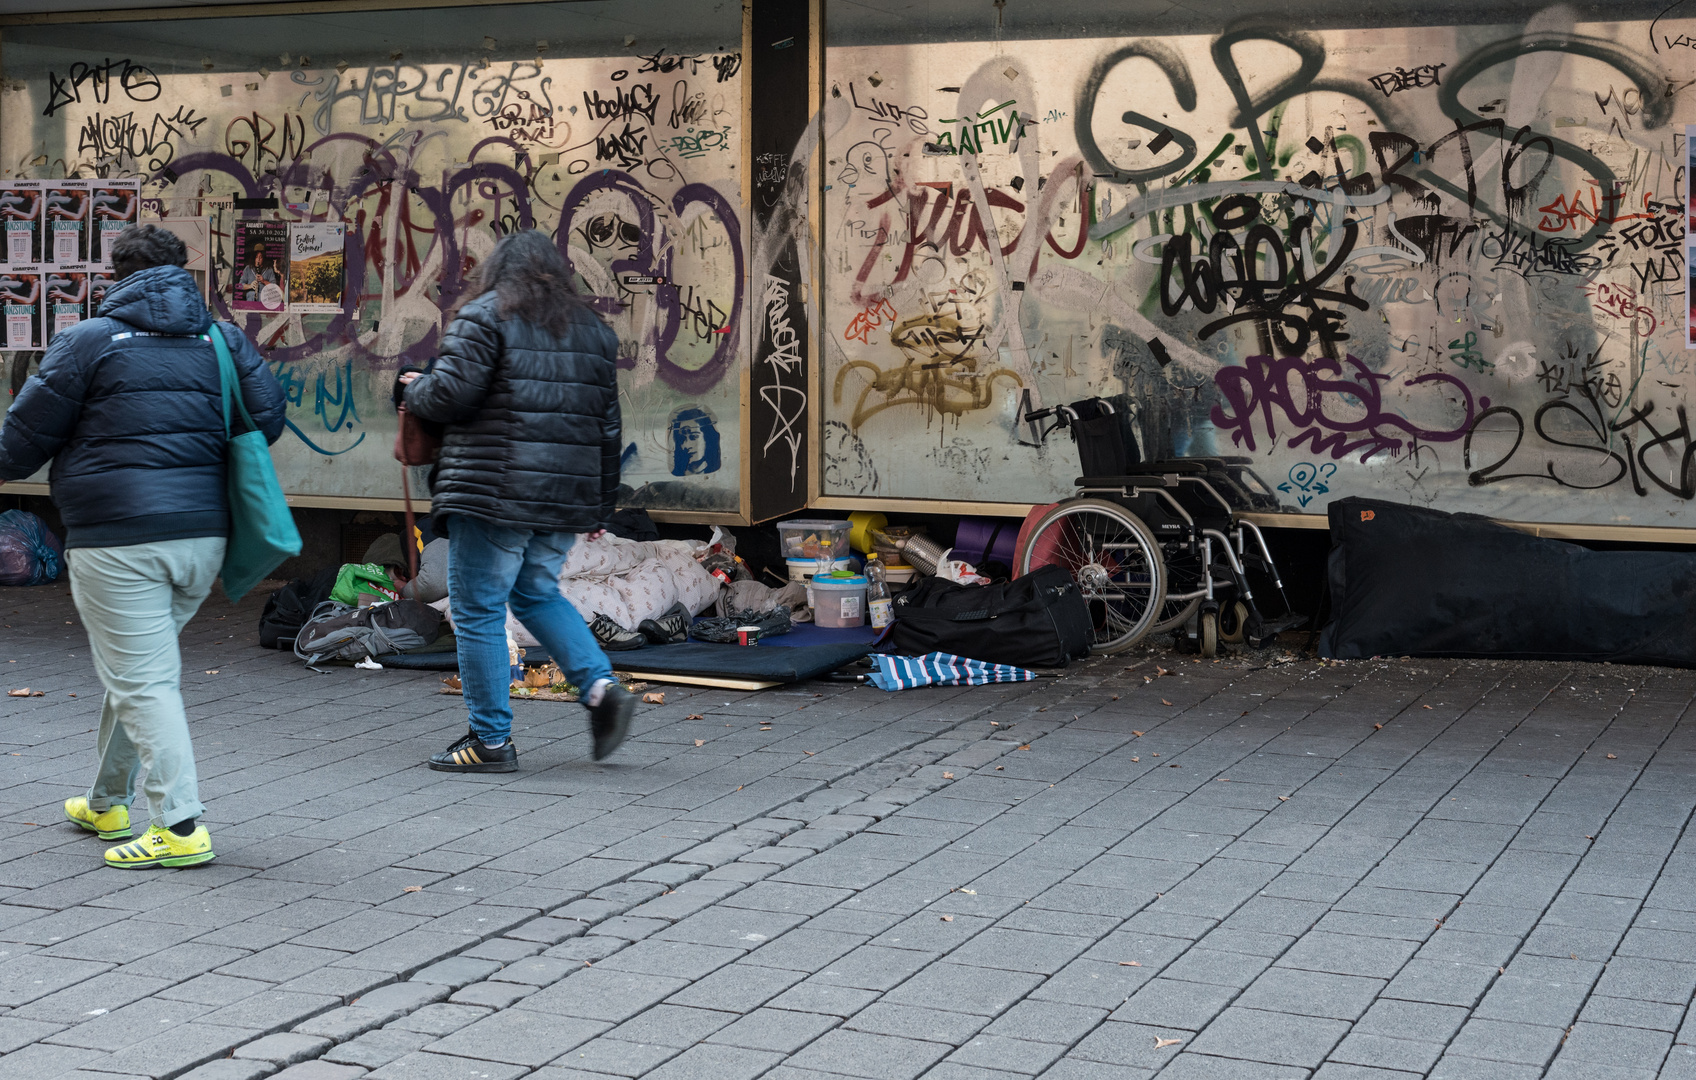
(29,552)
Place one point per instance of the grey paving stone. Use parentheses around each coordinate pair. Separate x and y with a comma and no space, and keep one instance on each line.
(1312,993)
(377,1048)
(781,1030)
(1381,1051)
(709,1062)
(457,971)
(230,1069)
(878,1057)
(519,1037)
(1497,1040)
(427,1066)
(1168,1003)
(1277,1038)
(965,989)
(442,1018)
(284,1048)
(320,1070)
(1607,1044)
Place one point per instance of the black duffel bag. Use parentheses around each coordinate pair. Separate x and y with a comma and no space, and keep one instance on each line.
(290,606)
(1039,620)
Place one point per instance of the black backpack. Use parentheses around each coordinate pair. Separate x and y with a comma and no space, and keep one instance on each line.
(290,606)
(1039,620)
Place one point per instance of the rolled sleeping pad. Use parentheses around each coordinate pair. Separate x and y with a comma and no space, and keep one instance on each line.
(860,535)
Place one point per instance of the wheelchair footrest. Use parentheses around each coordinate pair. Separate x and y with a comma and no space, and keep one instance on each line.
(1271,628)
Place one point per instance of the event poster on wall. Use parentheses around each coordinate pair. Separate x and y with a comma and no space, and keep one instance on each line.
(67,222)
(317,270)
(20,212)
(98,282)
(113,203)
(20,304)
(67,298)
(260,279)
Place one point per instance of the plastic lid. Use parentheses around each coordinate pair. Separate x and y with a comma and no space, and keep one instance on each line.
(839,580)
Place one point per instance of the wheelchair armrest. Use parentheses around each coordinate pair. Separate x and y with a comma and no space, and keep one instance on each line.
(1139,480)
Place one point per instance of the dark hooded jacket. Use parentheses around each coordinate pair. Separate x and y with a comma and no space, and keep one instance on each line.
(532,421)
(128,408)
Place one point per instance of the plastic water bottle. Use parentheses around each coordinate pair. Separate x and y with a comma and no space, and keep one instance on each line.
(878,604)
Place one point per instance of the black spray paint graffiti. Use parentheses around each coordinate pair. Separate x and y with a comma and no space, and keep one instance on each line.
(783,381)
(137,82)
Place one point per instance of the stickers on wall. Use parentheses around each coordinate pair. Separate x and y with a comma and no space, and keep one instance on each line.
(260,280)
(317,271)
(67,294)
(1690,241)
(20,305)
(20,221)
(113,205)
(66,204)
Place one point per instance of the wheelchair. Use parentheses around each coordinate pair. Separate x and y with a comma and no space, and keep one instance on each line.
(1157,546)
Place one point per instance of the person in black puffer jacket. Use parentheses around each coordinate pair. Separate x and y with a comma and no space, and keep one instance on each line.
(128,407)
(526,387)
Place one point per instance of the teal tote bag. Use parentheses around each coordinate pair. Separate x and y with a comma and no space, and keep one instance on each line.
(262,532)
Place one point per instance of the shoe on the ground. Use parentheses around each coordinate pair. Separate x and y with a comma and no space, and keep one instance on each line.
(162,847)
(669,629)
(609,722)
(613,637)
(114,824)
(470,755)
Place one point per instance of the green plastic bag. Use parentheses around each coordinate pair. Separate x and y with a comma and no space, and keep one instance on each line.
(262,531)
(356,578)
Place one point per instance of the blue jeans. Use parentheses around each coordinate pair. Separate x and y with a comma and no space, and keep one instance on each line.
(490,568)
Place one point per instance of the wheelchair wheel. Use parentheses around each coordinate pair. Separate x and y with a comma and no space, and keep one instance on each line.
(1112,556)
(1207,634)
(1233,623)
(1183,575)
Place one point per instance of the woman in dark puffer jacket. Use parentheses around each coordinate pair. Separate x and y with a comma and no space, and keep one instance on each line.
(526,384)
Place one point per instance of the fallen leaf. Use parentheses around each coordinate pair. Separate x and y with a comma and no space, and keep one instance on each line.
(1160,1043)
(1220,780)
(1130,963)
(653,699)
(1136,759)
(212,671)
(948,776)
(998,768)
(413,888)
(700,742)
(694,716)
(1425,706)
(668,892)
(1027,746)
(1115,697)
(1154,755)
(970,892)
(1138,734)
(995,723)
(1163,701)
(1283,798)
(26,692)
(1377,727)
(1158,670)
(1174,765)
(1612,756)
(948,918)
(809,753)
(452,682)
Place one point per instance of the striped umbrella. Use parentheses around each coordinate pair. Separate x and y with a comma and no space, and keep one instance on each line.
(941,669)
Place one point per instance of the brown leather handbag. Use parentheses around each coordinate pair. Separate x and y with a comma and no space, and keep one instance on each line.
(417,442)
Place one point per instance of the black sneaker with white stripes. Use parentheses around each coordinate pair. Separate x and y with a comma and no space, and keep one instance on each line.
(470,755)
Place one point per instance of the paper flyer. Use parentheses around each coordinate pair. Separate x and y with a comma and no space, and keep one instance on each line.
(261,266)
(67,222)
(114,204)
(317,266)
(20,212)
(67,289)
(98,282)
(20,305)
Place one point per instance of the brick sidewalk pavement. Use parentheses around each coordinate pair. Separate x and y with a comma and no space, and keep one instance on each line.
(1245,869)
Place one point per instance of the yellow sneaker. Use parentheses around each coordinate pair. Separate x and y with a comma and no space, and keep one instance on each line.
(114,824)
(162,847)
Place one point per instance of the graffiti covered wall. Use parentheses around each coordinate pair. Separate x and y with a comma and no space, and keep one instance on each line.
(1443,265)
(631,162)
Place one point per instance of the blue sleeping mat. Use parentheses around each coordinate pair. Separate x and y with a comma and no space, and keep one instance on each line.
(701,659)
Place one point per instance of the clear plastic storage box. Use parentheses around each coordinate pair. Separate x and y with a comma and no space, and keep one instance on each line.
(809,538)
